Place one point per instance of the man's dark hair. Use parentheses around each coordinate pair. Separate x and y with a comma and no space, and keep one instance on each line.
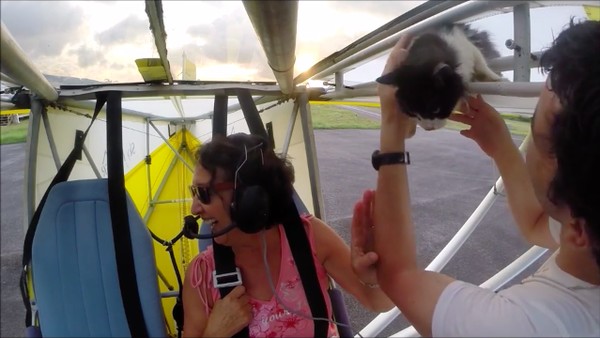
(574,71)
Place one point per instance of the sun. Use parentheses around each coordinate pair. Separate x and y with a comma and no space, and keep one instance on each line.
(303,62)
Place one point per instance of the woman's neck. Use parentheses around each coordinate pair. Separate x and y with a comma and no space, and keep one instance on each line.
(252,244)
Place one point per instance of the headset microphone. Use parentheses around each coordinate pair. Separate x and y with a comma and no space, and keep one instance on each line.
(190,229)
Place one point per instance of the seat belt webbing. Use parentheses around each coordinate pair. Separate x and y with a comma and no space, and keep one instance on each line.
(120,218)
(302,253)
(225,263)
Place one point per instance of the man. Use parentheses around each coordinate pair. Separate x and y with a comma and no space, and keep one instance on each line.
(563,162)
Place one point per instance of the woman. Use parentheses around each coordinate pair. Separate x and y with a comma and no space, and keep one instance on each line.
(224,167)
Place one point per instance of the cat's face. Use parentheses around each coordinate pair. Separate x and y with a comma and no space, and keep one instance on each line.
(428,84)
(426,93)
(431,124)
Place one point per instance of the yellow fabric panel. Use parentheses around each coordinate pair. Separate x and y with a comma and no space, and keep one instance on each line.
(151,69)
(166,219)
(592,12)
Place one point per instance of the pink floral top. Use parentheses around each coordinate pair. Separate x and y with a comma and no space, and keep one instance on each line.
(270,318)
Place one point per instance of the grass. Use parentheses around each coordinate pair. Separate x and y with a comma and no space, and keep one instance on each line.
(335,117)
(14,133)
(332,117)
(517,124)
(323,117)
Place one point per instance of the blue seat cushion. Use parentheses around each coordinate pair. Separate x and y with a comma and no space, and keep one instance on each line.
(74,265)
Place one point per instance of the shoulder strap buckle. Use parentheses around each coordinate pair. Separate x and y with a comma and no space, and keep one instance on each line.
(227,279)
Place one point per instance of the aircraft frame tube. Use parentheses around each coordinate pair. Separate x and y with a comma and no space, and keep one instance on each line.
(16,65)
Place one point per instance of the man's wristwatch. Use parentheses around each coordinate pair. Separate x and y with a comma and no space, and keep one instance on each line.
(378,159)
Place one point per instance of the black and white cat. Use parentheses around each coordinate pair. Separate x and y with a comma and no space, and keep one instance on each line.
(439,66)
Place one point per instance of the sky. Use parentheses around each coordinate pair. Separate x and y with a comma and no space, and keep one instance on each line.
(101,39)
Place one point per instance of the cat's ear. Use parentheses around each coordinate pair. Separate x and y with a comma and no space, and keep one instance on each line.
(441,66)
(443,75)
(389,78)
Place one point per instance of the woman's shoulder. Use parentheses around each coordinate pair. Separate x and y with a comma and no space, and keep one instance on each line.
(204,261)
(307,217)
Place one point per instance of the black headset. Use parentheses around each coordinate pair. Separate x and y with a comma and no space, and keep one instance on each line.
(250,204)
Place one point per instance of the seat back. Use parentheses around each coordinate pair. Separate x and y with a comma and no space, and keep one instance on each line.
(74,267)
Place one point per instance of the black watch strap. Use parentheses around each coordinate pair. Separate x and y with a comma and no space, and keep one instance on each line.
(378,159)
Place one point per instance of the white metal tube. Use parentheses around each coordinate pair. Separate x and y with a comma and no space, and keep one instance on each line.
(16,65)
(7,79)
(513,269)
(465,231)
(518,89)
(458,13)
(91,161)
(374,328)
(290,129)
(275,25)
(50,137)
(175,152)
(506,63)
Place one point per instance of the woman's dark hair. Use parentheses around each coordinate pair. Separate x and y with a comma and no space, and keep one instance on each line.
(263,167)
(574,72)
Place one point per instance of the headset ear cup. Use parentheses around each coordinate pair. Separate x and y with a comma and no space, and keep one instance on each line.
(251,209)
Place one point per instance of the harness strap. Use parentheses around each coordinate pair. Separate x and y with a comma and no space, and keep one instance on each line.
(225,264)
(302,253)
(120,218)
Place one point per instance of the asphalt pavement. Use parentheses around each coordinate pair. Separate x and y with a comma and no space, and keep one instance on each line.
(449,176)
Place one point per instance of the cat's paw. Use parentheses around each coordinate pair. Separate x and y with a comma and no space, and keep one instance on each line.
(496,78)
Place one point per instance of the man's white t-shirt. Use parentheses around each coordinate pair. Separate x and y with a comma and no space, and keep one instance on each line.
(549,303)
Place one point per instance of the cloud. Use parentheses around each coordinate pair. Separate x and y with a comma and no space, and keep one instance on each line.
(226,40)
(117,66)
(199,31)
(87,56)
(131,30)
(210,69)
(43,28)
(229,39)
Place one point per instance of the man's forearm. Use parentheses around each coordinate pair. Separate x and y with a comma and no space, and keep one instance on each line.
(522,201)
(394,238)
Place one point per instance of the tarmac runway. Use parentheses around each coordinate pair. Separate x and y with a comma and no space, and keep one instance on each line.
(449,176)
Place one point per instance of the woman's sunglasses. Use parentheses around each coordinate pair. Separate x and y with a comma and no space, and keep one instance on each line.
(203,193)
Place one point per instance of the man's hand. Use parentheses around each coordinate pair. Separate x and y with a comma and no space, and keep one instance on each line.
(487,127)
(390,111)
